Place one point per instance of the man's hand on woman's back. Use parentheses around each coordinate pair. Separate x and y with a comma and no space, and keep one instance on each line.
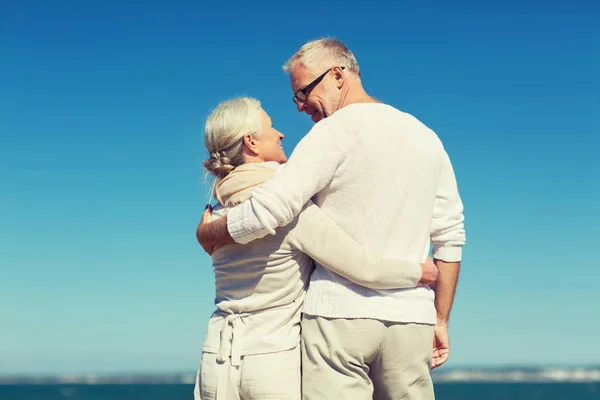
(212,234)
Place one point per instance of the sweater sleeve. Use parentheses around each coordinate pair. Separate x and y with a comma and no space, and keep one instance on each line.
(276,203)
(324,241)
(447,227)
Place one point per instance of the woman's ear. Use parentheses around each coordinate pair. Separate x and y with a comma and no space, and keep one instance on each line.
(250,143)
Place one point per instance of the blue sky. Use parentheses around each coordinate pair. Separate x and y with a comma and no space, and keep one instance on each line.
(102,106)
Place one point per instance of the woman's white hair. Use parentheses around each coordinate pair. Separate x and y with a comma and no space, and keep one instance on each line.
(224,134)
(320,54)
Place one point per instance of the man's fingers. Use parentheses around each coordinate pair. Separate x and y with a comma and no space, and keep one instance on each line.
(206,214)
(440,356)
(439,362)
(439,359)
(198,232)
(203,221)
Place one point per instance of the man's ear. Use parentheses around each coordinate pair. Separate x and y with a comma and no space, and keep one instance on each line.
(250,143)
(339,77)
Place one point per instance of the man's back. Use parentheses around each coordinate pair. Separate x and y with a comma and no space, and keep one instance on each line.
(383,194)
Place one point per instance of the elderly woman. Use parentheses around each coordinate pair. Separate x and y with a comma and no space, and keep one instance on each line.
(251,350)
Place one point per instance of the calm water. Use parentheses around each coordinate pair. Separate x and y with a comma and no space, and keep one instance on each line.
(445,391)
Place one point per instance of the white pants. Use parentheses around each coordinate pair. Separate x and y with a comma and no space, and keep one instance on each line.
(262,376)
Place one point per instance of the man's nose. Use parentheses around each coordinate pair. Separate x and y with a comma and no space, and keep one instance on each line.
(300,105)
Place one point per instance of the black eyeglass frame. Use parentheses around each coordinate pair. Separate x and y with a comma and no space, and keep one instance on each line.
(302,94)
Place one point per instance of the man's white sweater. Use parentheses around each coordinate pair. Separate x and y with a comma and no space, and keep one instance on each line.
(385,178)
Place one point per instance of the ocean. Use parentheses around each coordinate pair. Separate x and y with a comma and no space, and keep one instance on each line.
(444,391)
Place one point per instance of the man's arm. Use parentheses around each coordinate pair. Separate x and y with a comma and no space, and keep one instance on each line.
(216,231)
(310,168)
(448,238)
(445,288)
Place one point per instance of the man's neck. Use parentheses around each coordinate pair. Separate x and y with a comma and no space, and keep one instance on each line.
(356,94)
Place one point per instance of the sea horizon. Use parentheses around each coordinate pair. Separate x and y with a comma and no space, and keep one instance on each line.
(449,374)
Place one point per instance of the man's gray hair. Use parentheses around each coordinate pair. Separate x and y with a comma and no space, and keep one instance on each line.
(320,54)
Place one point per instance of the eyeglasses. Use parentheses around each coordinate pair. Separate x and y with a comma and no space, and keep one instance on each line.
(302,94)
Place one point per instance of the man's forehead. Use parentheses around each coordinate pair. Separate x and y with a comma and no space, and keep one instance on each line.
(300,76)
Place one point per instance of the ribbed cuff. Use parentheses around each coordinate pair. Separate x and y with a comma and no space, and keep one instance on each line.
(447,253)
(244,227)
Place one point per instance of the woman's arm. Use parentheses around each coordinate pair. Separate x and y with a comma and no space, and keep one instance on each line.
(324,241)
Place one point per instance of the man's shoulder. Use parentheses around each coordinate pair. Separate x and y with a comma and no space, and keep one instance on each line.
(360,111)
(356,117)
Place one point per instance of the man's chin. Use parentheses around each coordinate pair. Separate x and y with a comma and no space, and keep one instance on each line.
(316,117)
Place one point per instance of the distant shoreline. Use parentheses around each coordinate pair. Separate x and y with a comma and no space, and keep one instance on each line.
(454,375)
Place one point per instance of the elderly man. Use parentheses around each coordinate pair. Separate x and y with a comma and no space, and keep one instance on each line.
(386,179)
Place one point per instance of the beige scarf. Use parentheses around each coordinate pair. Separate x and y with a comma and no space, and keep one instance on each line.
(237,186)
